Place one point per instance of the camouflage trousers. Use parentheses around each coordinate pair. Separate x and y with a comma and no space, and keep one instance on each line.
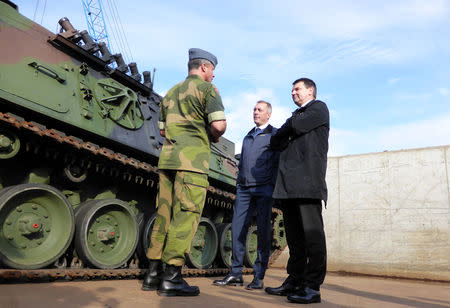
(180,204)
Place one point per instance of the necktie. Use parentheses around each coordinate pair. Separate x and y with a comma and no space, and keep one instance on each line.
(256,132)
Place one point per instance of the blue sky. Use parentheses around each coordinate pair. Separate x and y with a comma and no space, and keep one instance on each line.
(382,67)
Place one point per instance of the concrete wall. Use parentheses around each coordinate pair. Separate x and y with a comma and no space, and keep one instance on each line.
(388,214)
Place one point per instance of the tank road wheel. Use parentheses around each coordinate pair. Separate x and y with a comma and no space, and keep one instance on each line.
(225,244)
(147,233)
(75,173)
(106,233)
(9,144)
(36,225)
(250,246)
(279,234)
(204,245)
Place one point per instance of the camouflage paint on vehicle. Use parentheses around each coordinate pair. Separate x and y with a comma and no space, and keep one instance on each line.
(65,87)
(83,137)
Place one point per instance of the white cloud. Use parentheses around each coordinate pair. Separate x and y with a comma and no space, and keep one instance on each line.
(341,141)
(444,91)
(162,92)
(412,97)
(393,81)
(429,132)
(354,19)
(278,46)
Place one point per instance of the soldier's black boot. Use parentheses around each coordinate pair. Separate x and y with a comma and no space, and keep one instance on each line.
(152,279)
(172,284)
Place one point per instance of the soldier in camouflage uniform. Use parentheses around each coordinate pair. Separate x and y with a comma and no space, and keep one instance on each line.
(191,116)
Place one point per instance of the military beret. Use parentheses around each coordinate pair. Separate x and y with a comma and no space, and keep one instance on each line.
(197,53)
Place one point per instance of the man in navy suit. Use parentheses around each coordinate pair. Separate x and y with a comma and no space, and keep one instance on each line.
(258,166)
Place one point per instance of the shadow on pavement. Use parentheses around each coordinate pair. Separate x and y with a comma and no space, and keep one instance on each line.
(385,298)
(50,296)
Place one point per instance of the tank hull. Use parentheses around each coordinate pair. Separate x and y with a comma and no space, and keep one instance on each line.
(79,146)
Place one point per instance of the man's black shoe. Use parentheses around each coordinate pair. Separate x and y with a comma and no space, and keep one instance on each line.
(307,296)
(230,280)
(289,286)
(153,277)
(255,284)
(173,285)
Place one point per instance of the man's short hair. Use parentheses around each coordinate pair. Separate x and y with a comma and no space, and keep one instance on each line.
(308,84)
(269,106)
(196,63)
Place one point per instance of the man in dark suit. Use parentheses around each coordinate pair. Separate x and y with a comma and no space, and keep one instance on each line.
(301,188)
(255,182)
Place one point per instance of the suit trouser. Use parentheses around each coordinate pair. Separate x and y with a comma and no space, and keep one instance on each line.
(305,236)
(180,204)
(249,200)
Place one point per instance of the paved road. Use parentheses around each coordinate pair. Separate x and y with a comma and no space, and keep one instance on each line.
(337,291)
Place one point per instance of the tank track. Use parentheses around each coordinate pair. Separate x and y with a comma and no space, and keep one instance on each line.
(42,275)
(108,162)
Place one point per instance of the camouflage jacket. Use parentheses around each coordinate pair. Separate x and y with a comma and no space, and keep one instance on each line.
(185,114)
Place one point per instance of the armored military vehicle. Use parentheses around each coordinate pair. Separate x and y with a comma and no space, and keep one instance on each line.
(79,146)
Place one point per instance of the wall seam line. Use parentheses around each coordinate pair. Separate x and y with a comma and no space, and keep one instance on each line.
(446,173)
(339,207)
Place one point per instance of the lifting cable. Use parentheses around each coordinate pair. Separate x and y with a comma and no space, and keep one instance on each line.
(117,31)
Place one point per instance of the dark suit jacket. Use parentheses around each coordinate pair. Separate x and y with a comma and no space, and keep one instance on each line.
(303,142)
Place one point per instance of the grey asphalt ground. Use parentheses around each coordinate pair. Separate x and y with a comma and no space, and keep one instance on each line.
(337,291)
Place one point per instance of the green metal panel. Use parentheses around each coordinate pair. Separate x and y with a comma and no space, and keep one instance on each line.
(10,15)
(223,168)
(40,83)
